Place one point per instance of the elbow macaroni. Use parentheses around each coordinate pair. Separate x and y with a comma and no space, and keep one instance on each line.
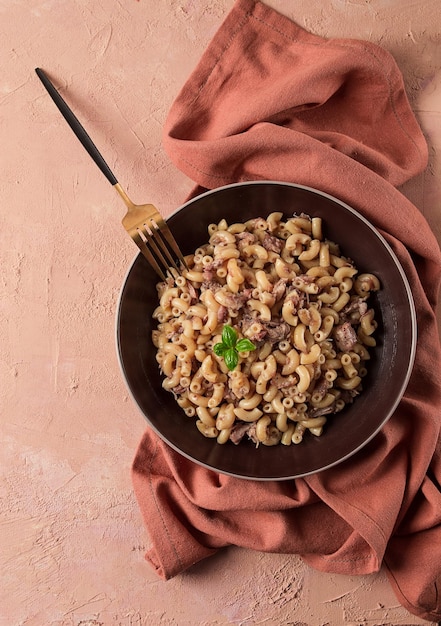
(280,283)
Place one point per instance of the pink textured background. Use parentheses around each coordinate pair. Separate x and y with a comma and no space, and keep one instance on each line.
(72,540)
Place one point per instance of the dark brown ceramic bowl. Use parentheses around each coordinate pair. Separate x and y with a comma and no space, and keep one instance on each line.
(389,368)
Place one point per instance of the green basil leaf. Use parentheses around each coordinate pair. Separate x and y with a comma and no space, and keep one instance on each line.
(245,345)
(229,336)
(219,349)
(231,358)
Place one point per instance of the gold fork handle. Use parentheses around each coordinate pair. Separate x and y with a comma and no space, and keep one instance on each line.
(76,126)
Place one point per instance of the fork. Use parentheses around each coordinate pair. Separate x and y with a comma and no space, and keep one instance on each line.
(143,222)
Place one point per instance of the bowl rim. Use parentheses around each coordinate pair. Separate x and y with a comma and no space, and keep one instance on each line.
(413,331)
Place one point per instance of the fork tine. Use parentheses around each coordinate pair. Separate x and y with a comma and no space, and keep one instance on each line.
(157,239)
(158,250)
(147,253)
(166,233)
(153,248)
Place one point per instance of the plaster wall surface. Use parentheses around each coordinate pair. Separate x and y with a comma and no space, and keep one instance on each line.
(72,539)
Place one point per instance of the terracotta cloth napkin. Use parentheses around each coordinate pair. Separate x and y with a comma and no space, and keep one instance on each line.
(271,101)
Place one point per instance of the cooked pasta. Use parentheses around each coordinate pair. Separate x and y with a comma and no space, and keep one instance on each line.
(302,306)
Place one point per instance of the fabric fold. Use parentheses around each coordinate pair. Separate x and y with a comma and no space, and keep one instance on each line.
(269,100)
